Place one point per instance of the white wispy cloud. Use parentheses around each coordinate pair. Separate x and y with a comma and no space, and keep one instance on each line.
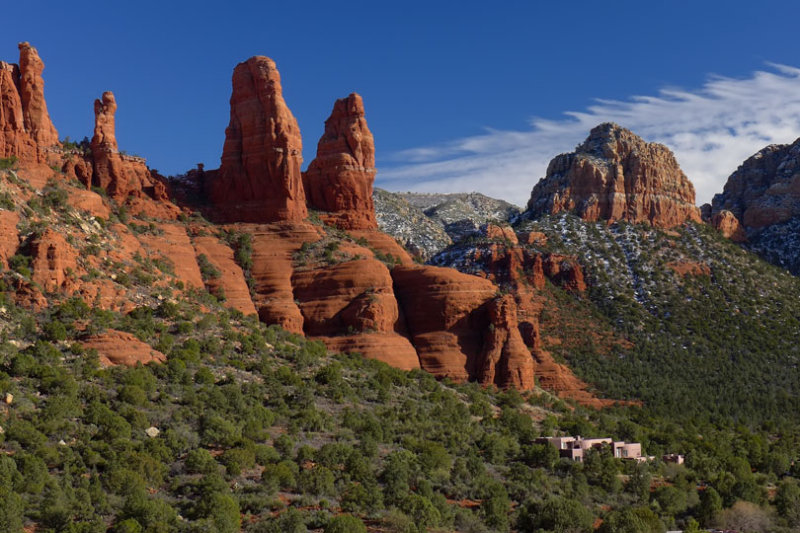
(711,130)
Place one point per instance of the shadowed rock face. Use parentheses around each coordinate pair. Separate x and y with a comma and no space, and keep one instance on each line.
(339,180)
(259,179)
(765,189)
(615,175)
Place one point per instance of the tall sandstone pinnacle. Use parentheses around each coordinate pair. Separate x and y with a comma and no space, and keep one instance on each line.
(616,175)
(259,179)
(124,178)
(25,125)
(31,85)
(339,180)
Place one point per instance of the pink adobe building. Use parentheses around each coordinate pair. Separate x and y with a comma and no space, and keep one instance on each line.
(574,447)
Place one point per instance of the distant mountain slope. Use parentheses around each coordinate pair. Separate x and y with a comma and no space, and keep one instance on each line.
(420,234)
(715,329)
(422,220)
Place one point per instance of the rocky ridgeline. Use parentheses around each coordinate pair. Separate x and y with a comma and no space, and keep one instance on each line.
(426,223)
(615,175)
(760,204)
(340,281)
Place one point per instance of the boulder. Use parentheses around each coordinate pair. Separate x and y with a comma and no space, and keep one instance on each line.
(726,223)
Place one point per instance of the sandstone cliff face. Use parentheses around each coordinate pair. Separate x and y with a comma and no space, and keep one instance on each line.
(765,189)
(53,259)
(259,179)
(615,175)
(339,180)
(457,328)
(25,125)
(34,108)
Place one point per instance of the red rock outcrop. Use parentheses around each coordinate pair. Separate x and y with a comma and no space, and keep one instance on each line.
(9,237)
(25,125)
(765,189)
(339,180)
(351,299)
(565,271)
(121,348)
(506,360)
(31,88)
(53,259)
(726,223)
(125,178)
(231,280)
(273,248)
(174,244)
(259,179)
(615,175)
(500,233)
(453,329)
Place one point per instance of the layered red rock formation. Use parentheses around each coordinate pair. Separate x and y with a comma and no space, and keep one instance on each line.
(230,282)
(615,175)
(259,179)
(457,328)
(9,237)
(121,348)
(726,223)
(126,179)
(339,180)
(506,360)
(31,88)
(765,189)
(173,244)
(25,125)
(354,298)
(53,259)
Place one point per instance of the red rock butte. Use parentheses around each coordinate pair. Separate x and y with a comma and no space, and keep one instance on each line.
(259,179)
(616,175)
(339,180)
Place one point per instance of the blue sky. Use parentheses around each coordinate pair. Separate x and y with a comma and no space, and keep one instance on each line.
(460,96)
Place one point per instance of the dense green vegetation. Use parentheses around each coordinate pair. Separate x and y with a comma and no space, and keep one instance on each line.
(249,427)
(715,329)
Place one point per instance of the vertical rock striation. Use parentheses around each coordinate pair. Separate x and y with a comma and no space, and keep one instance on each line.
(339,180)
(616,175)
(259,179)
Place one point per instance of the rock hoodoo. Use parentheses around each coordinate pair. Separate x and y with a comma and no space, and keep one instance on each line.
(616,175)
(339,180)
(31,88)
(25,125)
(259,179)
(120,175)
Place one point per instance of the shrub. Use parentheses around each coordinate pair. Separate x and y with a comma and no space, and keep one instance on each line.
(346,524)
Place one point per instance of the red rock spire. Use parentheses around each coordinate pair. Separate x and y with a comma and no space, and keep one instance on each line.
(259,179)
(31,88)
(339,180)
